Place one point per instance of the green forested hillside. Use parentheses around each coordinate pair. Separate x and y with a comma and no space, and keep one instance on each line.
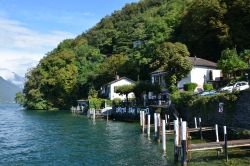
(93,58)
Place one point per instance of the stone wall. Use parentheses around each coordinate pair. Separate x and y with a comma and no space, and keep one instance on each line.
(235,114)
(242,112)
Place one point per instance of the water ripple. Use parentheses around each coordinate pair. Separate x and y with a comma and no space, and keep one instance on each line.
(40,138)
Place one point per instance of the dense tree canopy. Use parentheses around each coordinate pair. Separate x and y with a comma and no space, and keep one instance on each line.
(230,62)
(93,58)
(173,58)
(124,90)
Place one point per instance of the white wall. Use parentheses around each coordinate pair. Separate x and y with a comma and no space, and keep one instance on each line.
(120,83)
(199,75)
(217,74)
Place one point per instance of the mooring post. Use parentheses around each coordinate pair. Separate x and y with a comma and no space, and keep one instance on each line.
(107,114)
(141,118)
(217,137)
(217,133)
(158,127)
(169,128)
(200,128)
(184,142)
(93,114)
(143,122)
(155,123)
(166,118)
(176,140)
(195,122)
(225,143)
(148,130)
(164,136)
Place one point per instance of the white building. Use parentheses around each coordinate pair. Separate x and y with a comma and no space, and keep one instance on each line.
(203,71)
(108,90)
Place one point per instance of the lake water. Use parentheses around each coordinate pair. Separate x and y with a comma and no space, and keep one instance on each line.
(60,138)
(56,138)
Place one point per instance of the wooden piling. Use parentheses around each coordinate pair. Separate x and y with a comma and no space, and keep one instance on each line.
(200,125)
(166,118)
(184,142)
(158,127)
(148,130)
(169,128)
(93,114)
(107,114)
(155,123)
(143,122)
(195,122)
(164,136)
(141,118)
(216,133)
(176,140)
(225,144)
(217,138)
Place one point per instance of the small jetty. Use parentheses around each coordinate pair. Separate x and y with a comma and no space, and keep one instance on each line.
(182,138)
(218,145)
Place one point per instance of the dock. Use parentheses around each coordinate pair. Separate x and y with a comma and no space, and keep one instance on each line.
(182,138)
(218,145)
(193,130)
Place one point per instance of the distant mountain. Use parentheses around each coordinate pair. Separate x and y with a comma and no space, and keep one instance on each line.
(12,77)
(8,91)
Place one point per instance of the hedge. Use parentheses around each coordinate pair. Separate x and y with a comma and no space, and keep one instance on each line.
(207,87)
(190,86)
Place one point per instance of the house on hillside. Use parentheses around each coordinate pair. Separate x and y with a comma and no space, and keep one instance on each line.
(108,90)
(203,71)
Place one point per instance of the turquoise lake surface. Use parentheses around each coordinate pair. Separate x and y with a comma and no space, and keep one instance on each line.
(60,138)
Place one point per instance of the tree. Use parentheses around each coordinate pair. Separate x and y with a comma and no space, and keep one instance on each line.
(204,29)
(238,19)
(124,90)
(173,58)
(230,62)
(34,98)
(20,98)
(110,67)
(143,87)
(245,55)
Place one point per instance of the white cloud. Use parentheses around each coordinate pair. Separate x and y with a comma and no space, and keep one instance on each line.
(22,48)
(19,61)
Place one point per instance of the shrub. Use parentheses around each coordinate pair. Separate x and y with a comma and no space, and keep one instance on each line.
(190,86)
(173,89)
(108,102)
(208,87)
(117,102)
(95,103)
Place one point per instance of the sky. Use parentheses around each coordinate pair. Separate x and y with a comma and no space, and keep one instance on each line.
(31,28)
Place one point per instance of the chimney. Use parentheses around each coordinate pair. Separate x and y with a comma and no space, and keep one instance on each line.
(117,77)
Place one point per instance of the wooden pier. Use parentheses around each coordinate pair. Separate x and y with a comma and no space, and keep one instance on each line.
(182,139)
(219,145)
(193,130)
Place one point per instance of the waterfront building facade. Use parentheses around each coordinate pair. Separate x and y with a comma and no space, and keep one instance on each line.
(108,90)
(203,71)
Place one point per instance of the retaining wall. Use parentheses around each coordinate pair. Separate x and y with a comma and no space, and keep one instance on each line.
(235,114)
